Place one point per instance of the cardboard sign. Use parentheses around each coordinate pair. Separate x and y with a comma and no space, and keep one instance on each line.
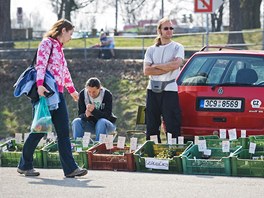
(154,163)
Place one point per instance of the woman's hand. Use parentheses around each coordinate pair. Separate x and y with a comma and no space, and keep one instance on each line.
(42,90)
(75,96)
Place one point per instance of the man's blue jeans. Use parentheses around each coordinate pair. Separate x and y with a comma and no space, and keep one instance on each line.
(60,121)
(102,126)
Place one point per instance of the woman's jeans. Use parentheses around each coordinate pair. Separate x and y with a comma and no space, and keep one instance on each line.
(102,126)
(60,121)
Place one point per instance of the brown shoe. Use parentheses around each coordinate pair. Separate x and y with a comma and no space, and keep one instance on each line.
(30,172)
(77,172)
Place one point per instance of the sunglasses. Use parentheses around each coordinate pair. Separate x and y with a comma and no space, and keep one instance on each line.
(168,28)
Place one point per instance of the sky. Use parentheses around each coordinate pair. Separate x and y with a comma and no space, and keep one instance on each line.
(31,8)
(41,10)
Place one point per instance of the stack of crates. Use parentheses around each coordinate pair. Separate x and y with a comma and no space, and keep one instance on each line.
(162,158)
(248,164)
(10,153)
(119,159)
(51,157)
(218,163)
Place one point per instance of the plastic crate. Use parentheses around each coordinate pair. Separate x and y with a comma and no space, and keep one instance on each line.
(10,153)
(216,142)
(219,163)
(99,158)
(150,150)
(244,164)
(51,157)
(259,140)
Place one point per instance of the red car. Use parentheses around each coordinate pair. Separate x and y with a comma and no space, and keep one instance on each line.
(222,90)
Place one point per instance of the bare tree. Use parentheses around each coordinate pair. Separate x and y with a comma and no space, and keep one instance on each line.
(235,23)
(5,24)
(131,9)
(64,8)
(218,19)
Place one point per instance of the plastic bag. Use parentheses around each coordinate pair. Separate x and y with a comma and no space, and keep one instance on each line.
(42,119)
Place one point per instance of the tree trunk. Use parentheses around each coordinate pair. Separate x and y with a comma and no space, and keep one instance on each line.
(5,24)
(217,19)
(235,23)
(250,13)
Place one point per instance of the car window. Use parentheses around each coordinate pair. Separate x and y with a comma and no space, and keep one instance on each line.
(229,69)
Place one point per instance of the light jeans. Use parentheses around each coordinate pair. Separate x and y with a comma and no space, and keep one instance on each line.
(102,126)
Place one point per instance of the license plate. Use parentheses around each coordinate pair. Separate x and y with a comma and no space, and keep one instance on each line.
(226,104)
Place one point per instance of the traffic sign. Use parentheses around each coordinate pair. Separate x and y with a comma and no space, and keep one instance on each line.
(207,6)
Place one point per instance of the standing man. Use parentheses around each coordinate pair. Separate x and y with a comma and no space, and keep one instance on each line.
(161,63)
(95,111)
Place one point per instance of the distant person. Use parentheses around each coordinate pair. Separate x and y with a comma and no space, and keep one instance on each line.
(107,43)
(94,110)
(51,48)
(161,63)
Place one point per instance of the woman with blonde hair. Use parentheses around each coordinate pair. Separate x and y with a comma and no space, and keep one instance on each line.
(50,58)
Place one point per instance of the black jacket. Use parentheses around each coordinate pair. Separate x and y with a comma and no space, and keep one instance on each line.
(105,110)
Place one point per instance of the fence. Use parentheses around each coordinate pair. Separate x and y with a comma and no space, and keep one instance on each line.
(139,43)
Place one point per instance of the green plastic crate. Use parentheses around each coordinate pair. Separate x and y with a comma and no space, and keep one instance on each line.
(244,164)
(259,140)
(11,152)
(51,157)
(150,150)
(216,142)
(219,163)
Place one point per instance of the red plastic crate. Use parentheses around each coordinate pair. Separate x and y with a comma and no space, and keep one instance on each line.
(99,158)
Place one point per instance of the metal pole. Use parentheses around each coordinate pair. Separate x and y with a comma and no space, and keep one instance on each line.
(263,26)
(116,14)
(207,29)
(162,8)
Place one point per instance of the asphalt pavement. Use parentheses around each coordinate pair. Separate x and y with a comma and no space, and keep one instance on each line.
(116,184)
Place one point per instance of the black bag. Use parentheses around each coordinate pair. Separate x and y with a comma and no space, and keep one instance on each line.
(26,83)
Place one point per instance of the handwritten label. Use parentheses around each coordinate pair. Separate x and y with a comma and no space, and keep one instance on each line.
(202,145)
(154,138)
(252,147)
(173,140)
(102,138)
(225,146)
(133,144)
(109,142)
(160,164)
(18,138)
(208,152)
(222,133)
(243,133)
(121,142)
(169,137)
(232,134)
(196,140)
(180,140)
